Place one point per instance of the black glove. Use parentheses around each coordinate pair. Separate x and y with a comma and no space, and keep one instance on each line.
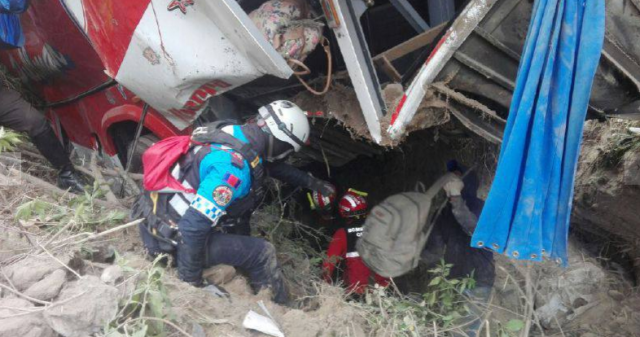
(324,187)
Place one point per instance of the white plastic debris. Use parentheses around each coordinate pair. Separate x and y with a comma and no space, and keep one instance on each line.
(634,130)
(266,325)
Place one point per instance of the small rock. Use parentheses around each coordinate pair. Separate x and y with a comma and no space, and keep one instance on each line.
(49,287)
(90,304)
(551,310)
(112,275)
(29,325)
(579,302)
(29,271)
(220,274)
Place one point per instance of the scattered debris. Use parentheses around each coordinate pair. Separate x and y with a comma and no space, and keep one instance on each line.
(266,325)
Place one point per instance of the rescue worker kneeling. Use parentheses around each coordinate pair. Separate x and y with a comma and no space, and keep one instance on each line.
(221,171)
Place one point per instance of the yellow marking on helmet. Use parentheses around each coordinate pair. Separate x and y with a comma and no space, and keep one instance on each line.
(362,194)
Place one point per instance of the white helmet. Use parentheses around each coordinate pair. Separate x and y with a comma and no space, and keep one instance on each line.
(286,122)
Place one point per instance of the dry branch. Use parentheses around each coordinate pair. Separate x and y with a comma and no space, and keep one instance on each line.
(35,300)
(127,179)
(102,184)
(93,236)
(58,191)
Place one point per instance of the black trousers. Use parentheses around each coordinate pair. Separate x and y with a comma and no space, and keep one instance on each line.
(449,242)
(19,115)
(202,248)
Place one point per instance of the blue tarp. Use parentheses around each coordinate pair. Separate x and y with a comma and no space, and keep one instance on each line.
(11,35)
(13,6)
(527,213)
(10,29)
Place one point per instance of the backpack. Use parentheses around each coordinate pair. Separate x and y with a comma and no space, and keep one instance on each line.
(396,231)
(159,159)
(159,231)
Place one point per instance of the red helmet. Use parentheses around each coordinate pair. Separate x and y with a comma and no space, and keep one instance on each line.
(321,202)
(353,205)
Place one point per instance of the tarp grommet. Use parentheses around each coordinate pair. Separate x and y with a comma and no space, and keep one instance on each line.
(496,246)
(534,256)
(515,254)
(480,243)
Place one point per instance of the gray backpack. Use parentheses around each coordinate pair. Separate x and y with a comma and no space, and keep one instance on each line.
(397,230)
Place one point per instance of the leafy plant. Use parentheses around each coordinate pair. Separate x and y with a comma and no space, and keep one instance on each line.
(9,139)
(415,315)
(445,296)
(510,329)
(147,308)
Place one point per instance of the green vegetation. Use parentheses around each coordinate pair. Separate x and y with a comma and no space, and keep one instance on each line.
(146,311)
(80,212)
(9,139)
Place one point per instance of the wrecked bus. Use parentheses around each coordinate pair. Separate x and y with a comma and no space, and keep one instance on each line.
(96,63)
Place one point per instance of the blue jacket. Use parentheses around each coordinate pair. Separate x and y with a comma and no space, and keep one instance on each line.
(221,183)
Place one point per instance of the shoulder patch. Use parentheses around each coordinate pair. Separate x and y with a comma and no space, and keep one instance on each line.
(237,160)
(222,195)
(232,180)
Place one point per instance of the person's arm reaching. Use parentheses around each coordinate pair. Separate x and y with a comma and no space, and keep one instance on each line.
(336,252)
(463,215)
(294,176)
(461,212)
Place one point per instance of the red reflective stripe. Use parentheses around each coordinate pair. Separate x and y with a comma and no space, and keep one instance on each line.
(110,26)
(433,52)
(398,108)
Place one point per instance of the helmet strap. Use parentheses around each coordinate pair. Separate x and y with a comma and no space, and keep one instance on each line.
(282,127)
(272,156)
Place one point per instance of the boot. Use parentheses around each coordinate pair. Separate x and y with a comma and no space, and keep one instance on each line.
(51,148)
(71,179)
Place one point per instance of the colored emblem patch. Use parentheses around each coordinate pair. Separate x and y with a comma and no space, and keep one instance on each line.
(232,180)
(237,160)
(222,195)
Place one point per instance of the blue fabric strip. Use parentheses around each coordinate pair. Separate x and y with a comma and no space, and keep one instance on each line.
(527,212)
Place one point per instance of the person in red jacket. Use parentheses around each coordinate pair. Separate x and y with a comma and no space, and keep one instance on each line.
(353,210)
